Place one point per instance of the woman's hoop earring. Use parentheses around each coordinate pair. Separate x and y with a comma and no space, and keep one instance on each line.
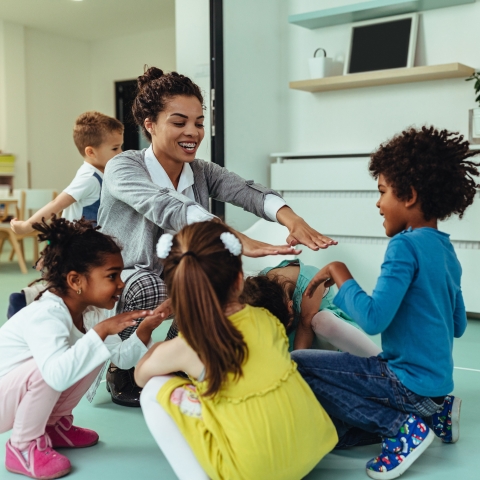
(79,291)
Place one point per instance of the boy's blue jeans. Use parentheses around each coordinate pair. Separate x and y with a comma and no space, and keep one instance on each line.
(362,393)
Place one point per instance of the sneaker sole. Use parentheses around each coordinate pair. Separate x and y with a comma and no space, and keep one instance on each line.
(62,473)
(75,446)
(456,406)
(406,464)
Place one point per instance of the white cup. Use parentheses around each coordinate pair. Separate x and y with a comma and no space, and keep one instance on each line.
(320,66)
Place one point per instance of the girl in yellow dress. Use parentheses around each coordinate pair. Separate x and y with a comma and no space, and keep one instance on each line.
(244,412)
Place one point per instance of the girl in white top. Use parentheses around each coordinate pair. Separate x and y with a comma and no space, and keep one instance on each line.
(53,349)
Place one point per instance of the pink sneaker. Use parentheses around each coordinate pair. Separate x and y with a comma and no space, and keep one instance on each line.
(66,435)
(43,461)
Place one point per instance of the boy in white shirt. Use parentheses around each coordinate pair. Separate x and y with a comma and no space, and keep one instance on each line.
(98,138)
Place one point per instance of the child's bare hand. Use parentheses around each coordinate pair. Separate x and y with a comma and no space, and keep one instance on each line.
(335,273)
(165,309)
(20,227)
(150,323)
(154,320)
(323,276)
(118,323)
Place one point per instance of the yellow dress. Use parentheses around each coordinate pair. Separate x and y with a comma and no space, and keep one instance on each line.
(268,425)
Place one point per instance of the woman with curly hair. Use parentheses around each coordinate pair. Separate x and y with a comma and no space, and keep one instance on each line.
(165,187)
(403,394)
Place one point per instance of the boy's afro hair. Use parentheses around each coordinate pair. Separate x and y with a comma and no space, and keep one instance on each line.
(435,163)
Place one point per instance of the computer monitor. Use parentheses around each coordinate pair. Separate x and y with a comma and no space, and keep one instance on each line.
(382,44)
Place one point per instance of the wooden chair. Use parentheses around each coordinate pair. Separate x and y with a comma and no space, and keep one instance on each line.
(29,201)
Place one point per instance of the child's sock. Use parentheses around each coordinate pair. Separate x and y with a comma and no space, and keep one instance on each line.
(343,336)
(25,455)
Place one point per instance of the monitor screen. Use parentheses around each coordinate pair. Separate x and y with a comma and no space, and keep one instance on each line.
(380,46)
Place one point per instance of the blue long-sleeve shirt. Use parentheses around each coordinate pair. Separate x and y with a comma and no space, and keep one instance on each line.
(417,306)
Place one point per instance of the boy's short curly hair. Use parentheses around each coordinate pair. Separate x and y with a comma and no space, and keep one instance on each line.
(92,128)
(435,163)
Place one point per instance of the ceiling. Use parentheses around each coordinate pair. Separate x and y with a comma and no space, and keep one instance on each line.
(90,19)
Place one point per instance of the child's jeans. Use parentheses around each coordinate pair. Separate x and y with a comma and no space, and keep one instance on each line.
(28,404)
(360,392)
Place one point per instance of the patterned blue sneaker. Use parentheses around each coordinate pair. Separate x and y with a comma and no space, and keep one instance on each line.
(446,422)
(399,452)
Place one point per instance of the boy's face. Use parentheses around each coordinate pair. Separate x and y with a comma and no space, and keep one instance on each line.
(393,210)
(111,146)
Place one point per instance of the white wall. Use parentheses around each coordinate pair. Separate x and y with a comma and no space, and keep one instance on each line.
(192,28)
(362,118)
(13,104)
(58,89)
(123,58)
(47,80)
(255,92)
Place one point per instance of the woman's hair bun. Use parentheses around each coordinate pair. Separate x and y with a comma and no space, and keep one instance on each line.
(152,73)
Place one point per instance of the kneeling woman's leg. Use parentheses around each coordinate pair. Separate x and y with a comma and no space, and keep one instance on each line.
(144,290)
(167,435)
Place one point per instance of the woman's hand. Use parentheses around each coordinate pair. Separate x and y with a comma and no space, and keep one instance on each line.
(20,227)
(301,232)
(331,274)
(255,248)
(118,323)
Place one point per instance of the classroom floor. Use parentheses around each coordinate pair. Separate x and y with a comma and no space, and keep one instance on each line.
(126,449)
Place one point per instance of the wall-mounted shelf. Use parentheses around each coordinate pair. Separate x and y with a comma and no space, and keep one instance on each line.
(384,77)
(367,11)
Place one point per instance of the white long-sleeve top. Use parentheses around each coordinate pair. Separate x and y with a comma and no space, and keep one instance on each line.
(44,331)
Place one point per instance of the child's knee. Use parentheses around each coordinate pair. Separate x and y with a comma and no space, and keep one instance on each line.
(151,389)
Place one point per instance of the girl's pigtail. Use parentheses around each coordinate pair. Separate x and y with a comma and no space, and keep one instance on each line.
(200,273)
(220,345)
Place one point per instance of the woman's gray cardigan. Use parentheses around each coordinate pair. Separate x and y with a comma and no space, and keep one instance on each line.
(135,210)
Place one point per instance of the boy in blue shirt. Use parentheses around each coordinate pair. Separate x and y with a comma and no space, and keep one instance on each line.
(417,305)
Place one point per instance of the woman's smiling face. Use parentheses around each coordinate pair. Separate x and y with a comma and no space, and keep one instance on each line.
(178,130)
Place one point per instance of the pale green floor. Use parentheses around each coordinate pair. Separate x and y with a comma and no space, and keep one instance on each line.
(127,451)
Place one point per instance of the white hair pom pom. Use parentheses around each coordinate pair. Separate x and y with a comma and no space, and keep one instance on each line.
(164,245)
(232,243)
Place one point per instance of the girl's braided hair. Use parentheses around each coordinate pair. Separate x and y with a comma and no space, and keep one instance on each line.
(435,163)
(72,246)
(155,88)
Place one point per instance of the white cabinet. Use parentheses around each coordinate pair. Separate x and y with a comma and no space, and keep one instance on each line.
(337,196)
